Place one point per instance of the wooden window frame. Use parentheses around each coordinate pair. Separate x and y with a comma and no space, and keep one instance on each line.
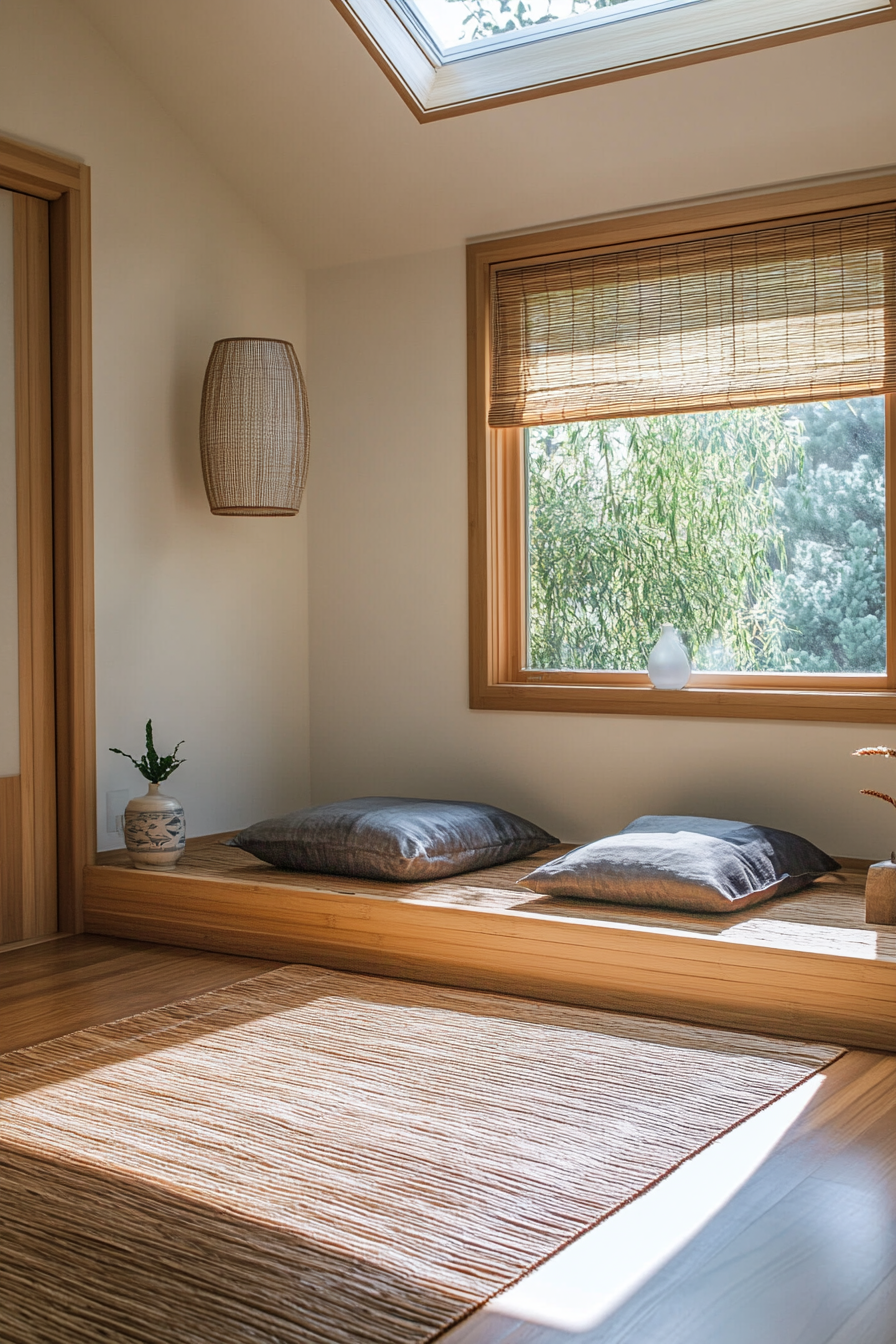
(497,595)
(64,184)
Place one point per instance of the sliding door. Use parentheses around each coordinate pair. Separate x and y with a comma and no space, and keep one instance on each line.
(28,902)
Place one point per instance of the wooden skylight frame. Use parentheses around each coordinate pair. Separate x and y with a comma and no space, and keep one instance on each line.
(436,83)
(499,678)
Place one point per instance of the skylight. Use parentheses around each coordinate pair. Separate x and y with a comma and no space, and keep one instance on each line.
(451,56)
(457,23)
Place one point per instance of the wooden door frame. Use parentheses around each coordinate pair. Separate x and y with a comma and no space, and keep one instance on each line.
(37,886)
(65,185)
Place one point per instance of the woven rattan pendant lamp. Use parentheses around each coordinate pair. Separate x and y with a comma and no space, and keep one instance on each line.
(253,430)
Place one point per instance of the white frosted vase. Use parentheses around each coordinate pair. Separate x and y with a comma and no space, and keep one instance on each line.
(155,831)
(668,666)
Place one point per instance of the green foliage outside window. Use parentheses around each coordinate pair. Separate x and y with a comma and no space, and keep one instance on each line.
(488,17)
(831,593)
(758,533)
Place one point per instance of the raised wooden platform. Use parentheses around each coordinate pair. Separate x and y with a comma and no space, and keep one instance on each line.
(805,965)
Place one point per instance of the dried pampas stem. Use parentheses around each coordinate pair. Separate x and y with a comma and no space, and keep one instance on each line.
(873,793)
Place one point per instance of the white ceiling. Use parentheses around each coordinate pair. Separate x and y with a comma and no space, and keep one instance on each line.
(283,98)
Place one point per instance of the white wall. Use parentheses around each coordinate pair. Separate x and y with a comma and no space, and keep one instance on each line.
(388,521)
(201,621)
(288,103)
(389,615)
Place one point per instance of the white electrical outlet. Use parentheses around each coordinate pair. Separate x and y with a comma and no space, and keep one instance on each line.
(116,802)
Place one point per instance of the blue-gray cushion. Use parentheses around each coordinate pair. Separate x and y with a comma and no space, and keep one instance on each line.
(685,863)
(401,839)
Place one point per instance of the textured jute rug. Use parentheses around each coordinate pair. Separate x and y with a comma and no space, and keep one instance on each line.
(311,1157)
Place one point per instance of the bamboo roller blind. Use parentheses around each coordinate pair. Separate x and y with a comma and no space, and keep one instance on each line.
(794,312)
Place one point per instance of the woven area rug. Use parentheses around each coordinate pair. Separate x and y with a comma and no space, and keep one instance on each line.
(311,1157)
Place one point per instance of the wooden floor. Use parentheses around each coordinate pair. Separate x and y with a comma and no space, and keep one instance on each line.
(803,965)
(783,1232)
(67,984)
(803,1252)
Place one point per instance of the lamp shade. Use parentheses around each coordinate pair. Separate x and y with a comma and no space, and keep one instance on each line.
(253,430)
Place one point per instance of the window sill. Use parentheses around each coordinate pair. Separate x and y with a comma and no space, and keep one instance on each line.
(847,706)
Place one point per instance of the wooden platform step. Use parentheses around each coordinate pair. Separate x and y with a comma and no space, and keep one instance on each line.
(806,965)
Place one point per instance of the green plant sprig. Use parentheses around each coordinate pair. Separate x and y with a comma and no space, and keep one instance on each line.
(151,765)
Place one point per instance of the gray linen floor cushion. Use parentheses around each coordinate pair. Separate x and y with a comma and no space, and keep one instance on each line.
(685,863)
(401,839)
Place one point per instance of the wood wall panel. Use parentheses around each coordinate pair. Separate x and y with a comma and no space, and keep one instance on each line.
(11,859)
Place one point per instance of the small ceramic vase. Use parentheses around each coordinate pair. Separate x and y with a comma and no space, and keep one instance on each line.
(154,830)
(668,666)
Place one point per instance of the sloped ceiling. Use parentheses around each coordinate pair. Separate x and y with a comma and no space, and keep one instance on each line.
(283,99)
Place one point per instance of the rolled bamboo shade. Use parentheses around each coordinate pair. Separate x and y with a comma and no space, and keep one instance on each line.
(253,429)
(796,312)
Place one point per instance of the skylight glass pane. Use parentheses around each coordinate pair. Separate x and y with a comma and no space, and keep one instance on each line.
(455,22)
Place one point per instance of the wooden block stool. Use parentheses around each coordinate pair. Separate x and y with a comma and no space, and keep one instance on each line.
(880,893)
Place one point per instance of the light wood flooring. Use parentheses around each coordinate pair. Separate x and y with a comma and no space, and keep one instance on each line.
(783,1232)
(67,984)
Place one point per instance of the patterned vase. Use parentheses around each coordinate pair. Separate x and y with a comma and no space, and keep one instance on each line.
(154,830)
(668,666)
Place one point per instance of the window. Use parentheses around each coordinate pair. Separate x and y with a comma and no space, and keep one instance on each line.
(451,56)
(688,417)
(758,532)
